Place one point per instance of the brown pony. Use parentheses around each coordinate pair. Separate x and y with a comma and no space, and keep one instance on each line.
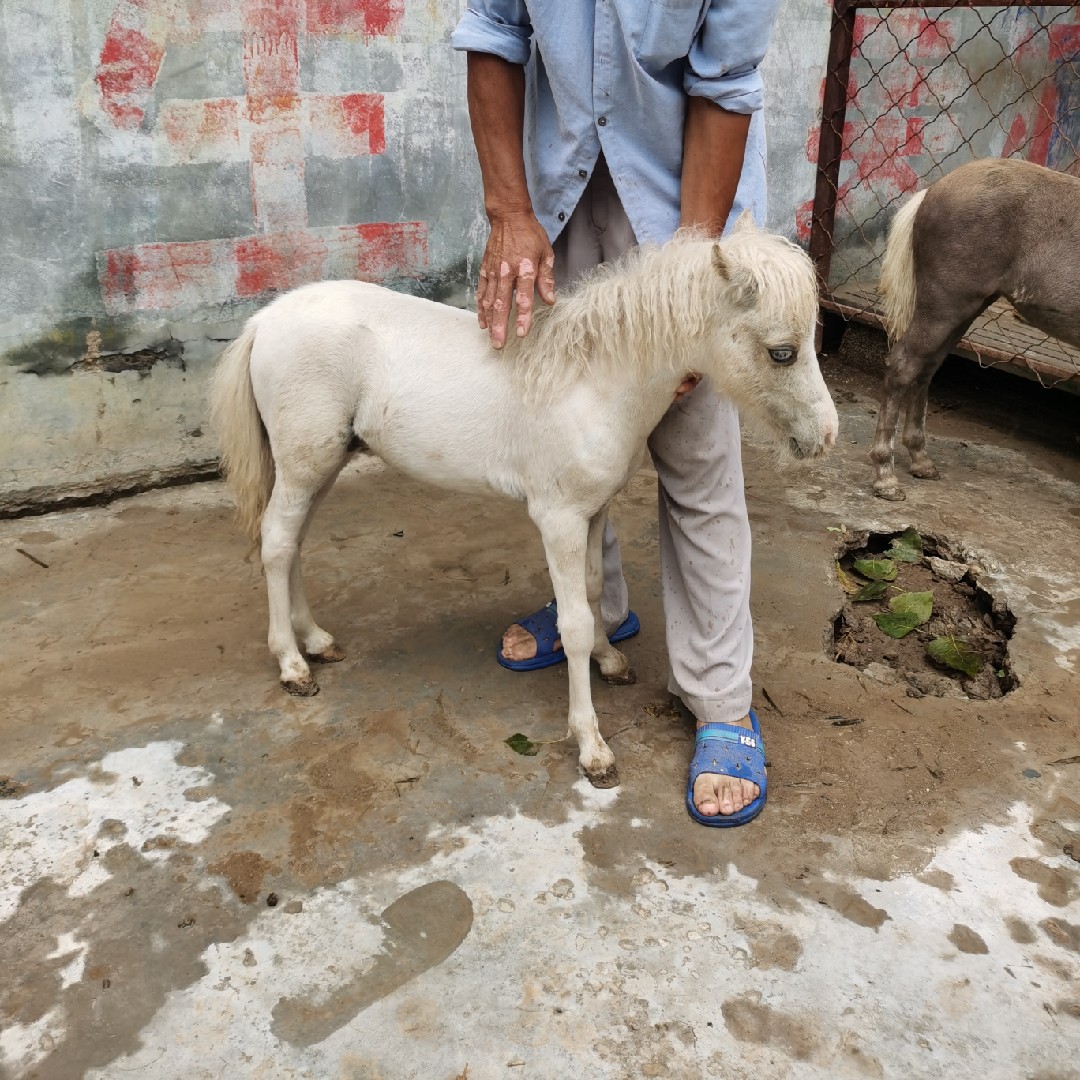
(989,229)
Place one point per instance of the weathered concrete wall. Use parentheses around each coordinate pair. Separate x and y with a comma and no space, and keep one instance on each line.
(168,164)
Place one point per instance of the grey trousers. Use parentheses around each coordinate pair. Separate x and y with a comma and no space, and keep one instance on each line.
(704,529)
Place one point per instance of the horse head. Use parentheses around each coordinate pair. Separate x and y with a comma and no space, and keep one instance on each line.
(764,354)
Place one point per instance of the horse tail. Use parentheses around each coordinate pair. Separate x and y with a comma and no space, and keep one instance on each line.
(246,460)
(897,284)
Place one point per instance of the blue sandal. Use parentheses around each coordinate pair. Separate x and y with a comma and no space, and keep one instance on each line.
(730,751)
(544,626)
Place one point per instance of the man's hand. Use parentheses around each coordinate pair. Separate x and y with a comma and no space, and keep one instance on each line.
(518,261)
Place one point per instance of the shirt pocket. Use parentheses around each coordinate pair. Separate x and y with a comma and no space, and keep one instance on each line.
(668,32)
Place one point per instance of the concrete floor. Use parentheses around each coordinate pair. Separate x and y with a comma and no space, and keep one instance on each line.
(907,906)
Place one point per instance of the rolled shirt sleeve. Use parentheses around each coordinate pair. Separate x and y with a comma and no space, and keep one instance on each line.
(723,61)
(500,28)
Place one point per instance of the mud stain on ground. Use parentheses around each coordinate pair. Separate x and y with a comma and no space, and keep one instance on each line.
(244,871)
(751,1021)
(1019,931)
(1056,886)
(421,928)
(966,940)
(1062,933)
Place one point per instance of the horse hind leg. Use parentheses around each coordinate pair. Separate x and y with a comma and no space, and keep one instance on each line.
(909,368)
(318,645)
(897,364)
(300,483)
(914,436)
(614,667)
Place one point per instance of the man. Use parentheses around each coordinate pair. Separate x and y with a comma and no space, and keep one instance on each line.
(600,124)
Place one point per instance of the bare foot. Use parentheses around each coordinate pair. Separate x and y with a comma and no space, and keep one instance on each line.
(519,644)
(716,794)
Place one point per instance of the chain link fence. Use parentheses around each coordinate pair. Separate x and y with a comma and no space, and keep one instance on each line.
(911,93)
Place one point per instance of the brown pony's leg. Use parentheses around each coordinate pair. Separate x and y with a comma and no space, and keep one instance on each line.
(910,366)
(915,431)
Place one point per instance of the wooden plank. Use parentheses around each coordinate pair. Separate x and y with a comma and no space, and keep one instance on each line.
(998,336)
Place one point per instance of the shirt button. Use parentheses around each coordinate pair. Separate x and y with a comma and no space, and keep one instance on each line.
(582,173)
(602,121)
(561,216)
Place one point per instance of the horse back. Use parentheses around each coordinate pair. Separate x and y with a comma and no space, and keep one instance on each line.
(1005,227)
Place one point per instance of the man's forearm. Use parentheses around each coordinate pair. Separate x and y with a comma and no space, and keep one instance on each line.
(714,143)
(497,113)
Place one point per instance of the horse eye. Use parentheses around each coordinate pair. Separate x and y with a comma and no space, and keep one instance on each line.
(784,355)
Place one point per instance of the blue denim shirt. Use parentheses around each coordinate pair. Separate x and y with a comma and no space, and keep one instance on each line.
(614,75)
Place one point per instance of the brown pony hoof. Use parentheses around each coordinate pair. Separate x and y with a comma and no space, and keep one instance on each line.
(626,678)
(925,472)
(301,687)
(893,493)
(606,778)
(330,655)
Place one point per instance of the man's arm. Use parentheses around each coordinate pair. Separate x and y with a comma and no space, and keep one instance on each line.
(714,143)
(518,257)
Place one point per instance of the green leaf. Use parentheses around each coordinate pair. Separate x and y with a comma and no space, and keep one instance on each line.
(521,744)
(918,604)
(956,653)
(846,583)
(906,612)
(896,624)
(907,547)
(875,569)
(874,591)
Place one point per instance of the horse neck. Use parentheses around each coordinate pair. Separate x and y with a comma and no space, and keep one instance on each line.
(643,319)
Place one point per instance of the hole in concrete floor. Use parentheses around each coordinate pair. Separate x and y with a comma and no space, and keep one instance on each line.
(961,650)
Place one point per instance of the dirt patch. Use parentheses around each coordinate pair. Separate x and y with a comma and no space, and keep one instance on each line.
(244,871)
(917,614)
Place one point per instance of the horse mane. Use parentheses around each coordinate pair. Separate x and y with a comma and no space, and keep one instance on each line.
(651,308)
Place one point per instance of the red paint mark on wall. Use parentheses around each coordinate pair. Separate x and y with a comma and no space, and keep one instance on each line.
(203,129)
(1043,127)
(343,126)
(277,263)
(368,17)
(1065,43)
(934,38)
(126,72)
(154,277)
(268,127)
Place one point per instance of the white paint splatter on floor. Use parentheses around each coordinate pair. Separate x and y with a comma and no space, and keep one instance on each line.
(54,834)
(678,977)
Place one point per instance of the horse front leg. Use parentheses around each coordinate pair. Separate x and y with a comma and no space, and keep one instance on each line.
(566,543)
(614,667)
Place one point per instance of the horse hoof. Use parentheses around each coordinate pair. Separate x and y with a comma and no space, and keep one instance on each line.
(929,472)
(301,687)
(621,678)
(892,493)
(330,655)
(605,778)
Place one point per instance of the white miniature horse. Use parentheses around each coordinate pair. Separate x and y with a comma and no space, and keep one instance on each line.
(558,419)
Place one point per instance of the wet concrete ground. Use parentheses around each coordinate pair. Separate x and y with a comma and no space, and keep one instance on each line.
(202,877)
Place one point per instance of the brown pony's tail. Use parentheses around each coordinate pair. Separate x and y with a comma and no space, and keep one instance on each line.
(246,460)
(897,284)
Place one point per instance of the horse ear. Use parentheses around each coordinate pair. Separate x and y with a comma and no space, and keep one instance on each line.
(740,279)
(744,223)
